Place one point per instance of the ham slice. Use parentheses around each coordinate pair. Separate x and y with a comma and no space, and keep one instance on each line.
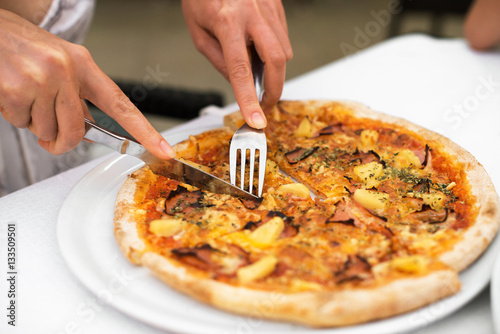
(182,200)
(299,154)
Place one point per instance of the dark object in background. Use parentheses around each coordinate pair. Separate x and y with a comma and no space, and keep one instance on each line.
(435,8)
(169,102)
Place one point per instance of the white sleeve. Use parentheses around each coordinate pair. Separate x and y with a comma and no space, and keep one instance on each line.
(69,19)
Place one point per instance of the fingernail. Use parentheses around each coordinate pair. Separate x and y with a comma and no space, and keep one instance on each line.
(167,149)
(258,121)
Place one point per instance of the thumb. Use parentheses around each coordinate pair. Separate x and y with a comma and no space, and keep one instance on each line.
(99,89)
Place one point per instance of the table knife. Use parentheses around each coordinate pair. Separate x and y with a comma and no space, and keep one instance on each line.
(171,168)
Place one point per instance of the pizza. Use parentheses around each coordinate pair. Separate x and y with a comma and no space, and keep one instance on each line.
(363,216)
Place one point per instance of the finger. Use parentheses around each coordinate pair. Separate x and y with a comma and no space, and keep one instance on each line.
(276,10)
(282,34)
(210,47)
(70,124)
(282,16)
(16,97)
(19,116)
(43,118)
(107,96)
(274,58)
(240,75)
(86,112)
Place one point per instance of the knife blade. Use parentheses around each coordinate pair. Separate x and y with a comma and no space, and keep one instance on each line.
(172,168)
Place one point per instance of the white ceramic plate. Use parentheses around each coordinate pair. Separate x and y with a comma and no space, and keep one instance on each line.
(87,243)
(495,294)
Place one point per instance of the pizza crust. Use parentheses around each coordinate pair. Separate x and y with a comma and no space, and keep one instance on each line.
(477,238)
(313,308)
(125,224)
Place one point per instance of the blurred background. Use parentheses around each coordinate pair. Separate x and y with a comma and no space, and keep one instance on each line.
(145,47)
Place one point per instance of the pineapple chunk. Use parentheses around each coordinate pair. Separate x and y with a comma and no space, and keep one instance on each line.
(380,270)
(410,264)
(296,189)
(371,200)
(166,227)
(257,270)
(240,238)
(269,232)
(406,158)
(435,201)
(451,186)
(301,285)
(304,129)
(369,174)
(369,139)
(272,169)
(426,244)
(269,202)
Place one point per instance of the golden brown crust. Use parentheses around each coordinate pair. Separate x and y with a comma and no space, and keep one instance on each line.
(311,308)
(125,219)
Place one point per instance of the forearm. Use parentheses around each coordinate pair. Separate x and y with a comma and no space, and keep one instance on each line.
(31,10)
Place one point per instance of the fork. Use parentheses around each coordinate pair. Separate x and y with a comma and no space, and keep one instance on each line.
(247,138)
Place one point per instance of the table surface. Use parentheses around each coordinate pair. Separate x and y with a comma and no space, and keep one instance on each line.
(439,84)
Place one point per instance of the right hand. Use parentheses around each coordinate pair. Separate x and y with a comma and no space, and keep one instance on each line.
(482,24)
(222,30)
(44,80)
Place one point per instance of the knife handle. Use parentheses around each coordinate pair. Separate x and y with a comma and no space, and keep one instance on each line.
(125,145)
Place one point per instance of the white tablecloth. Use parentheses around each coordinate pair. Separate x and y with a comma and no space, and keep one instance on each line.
(439,84)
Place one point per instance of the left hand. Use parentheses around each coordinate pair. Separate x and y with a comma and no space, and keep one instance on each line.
(222,30)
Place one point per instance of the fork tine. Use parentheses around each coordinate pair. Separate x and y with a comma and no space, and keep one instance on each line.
(243,163)
(262,169)
(250,175)
(233,151)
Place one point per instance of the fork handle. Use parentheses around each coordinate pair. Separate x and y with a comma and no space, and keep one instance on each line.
(257,72)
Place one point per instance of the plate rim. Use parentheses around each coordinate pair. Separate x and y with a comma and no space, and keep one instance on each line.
(495,293)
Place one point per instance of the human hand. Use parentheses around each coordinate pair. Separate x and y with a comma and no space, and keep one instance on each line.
(482,25)
(222,30)
(44,80)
